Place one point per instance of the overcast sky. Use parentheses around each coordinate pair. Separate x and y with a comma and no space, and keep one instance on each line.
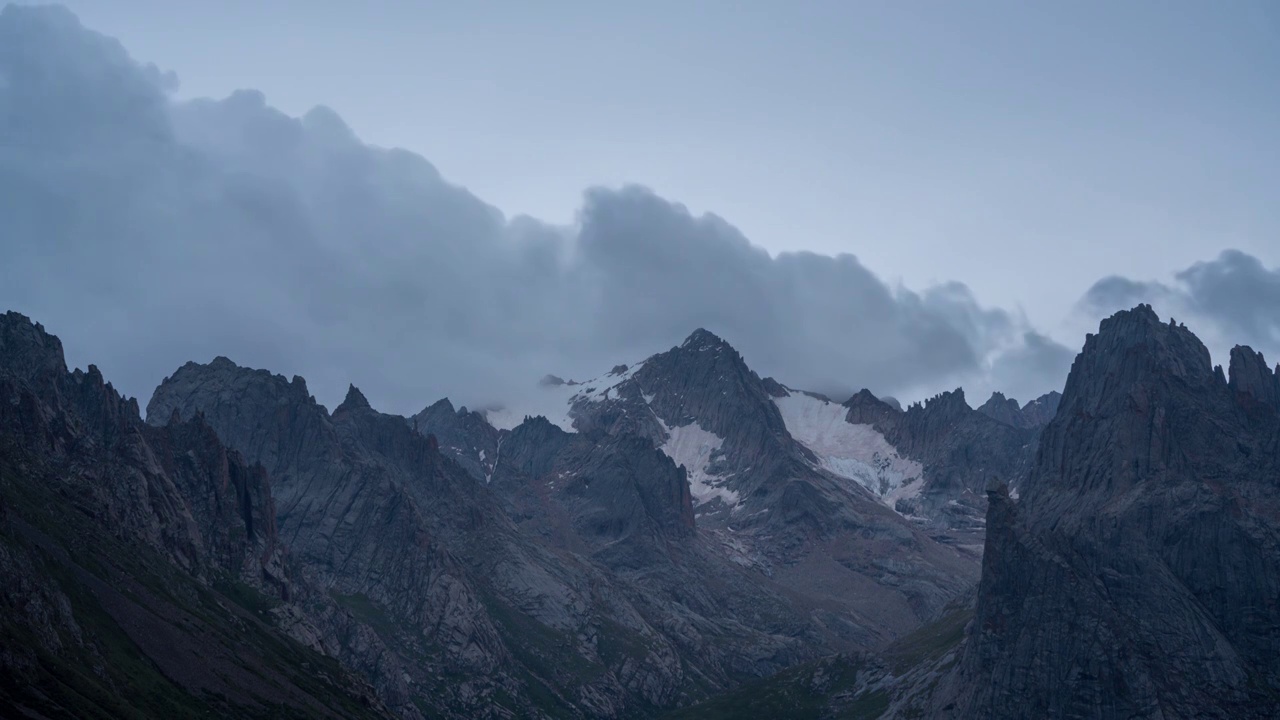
(984,163)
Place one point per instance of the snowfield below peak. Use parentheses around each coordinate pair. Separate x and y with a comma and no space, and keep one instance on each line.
(688,445)
(692,447)
(856,452)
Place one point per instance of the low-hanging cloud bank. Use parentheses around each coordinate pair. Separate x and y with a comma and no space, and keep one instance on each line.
(148,232)
(1232,299)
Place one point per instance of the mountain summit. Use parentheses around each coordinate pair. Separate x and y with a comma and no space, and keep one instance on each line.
(1138,574)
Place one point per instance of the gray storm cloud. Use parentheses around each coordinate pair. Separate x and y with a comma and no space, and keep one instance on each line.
(148,232)
(1231,300)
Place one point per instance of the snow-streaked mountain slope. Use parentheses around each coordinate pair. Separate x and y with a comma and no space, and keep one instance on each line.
(853,451)
(689,445)
(693,447)
(857,452)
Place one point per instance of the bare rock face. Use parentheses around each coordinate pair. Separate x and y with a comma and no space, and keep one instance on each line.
(702,387)
(139,560)
(1034,414)
(1041,411)
(867,409)
(359,495)
(1002,409)
(618,493)
(1138,574)
(462,434)
(1255,386)
(179,489)
(960,448)
(766,498)
(561,576)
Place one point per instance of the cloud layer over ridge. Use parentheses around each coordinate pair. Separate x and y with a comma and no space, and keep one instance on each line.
(147,232)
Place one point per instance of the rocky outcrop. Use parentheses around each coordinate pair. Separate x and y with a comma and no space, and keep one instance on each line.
(366,504)
(1138,574)
(1034,414)
(1041,411)
(462,434)
(570,581)
(865,408)
(960,448)
(179,490)
(1256,387)
(619,494)
(767,499)
(1002,409)
(139,562)
(704,385)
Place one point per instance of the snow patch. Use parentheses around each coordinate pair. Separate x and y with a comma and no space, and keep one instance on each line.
(692,447)
(854,451)
(488,477)
(597,389)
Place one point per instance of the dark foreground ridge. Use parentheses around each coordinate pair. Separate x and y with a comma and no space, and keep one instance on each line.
(142,570)
(1138,576)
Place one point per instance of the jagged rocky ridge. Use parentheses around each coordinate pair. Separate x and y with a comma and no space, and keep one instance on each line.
(566,573)
(467,571)
(472,609)
(463,434)
(742,438)
(960,448)
(142,568)
(1035,413)
(763,493)
(1137,574)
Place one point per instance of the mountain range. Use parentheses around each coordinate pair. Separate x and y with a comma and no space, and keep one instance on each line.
(675,536)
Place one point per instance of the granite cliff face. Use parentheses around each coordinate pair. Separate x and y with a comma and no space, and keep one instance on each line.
(1042,410)
(960,450)
(1138,575)
(561,573)
(693,529)
(1034,414)
(142,566)
(1002,409)
(151,570)
(764,492)
(462,434)
(372,509)
(710,411)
